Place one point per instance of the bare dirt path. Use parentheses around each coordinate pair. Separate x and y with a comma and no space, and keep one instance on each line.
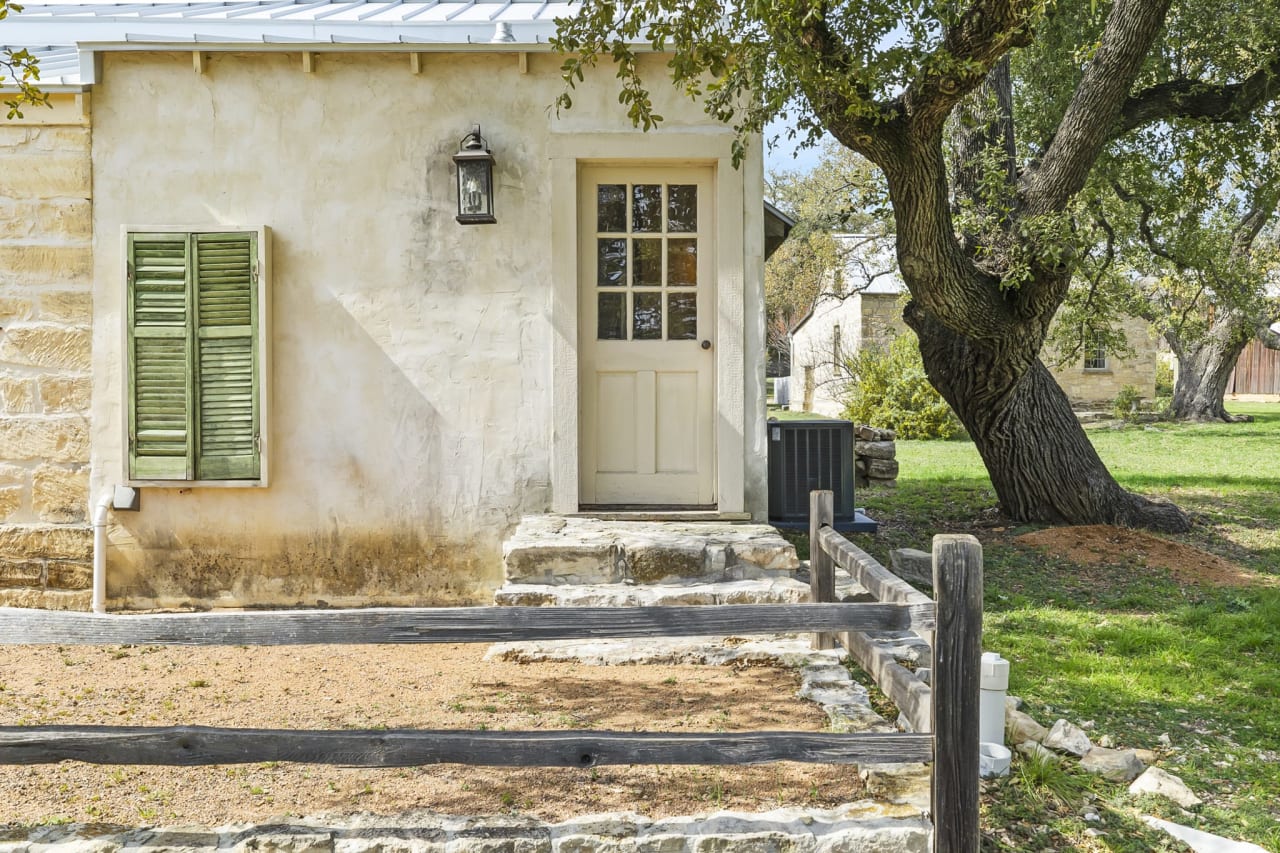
(429,687)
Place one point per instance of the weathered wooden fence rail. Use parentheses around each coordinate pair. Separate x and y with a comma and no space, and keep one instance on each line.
(940,736)
(948,706)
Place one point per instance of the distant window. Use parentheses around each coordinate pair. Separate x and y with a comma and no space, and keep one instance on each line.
(836,351)
(1095,356)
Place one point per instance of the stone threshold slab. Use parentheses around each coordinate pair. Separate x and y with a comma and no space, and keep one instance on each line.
(556,549)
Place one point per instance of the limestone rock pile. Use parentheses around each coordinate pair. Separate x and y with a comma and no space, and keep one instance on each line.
(1067,740)
(875,457)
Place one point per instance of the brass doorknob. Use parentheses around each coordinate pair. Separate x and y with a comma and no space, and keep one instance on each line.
(706,344)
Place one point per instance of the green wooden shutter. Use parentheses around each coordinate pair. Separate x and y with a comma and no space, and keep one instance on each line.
(160,395)
(226,313)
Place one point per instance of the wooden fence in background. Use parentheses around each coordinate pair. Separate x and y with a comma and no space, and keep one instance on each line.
(946,742)
(1257,371)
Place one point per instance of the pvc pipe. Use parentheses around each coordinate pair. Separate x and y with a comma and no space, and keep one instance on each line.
(101,510)
(995,685)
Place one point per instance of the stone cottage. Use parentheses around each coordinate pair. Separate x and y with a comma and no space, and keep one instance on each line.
(250,271)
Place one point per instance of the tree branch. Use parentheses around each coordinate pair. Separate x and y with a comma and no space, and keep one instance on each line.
(1087,125)
(1186,98)
(970,48)
(873,137)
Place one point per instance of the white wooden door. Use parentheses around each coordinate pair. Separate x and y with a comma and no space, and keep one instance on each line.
(645,307)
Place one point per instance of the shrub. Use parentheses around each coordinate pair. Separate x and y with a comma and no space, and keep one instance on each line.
(1126,403)
(1164,378)
(887,387)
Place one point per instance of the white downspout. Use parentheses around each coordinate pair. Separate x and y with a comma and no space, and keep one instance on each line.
(101,510)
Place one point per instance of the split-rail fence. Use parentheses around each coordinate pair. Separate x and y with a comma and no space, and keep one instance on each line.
(954,620)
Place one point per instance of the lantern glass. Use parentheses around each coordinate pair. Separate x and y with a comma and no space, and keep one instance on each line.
(473,188)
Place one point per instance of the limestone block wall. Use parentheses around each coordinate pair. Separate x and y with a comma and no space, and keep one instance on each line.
(46,235)
(882,318)
(1099,387)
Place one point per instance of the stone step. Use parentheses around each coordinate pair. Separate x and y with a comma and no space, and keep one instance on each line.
(554,550)
(779,590)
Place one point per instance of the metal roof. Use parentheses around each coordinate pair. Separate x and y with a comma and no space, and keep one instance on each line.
(93,25)
(59,66)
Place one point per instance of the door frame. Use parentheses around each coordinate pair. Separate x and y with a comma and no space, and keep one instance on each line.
(734,229)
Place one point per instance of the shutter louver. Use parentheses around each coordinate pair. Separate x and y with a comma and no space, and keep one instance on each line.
(160,393)
(226,357)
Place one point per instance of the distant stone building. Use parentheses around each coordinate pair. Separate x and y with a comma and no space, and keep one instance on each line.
(863,307)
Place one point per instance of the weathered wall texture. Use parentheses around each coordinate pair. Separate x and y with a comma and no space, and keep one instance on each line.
(1099,387)
(410,416)
(46,265)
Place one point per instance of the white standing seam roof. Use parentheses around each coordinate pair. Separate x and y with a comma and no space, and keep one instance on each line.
(59,65)
(58,33)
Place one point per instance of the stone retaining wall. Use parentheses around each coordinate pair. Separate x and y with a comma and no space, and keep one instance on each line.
(874,454)
(46,237)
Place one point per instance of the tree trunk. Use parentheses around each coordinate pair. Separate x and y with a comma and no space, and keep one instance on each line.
(1040,461)
(1204,369)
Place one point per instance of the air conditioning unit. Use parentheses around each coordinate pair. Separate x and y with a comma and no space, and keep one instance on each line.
(806,456)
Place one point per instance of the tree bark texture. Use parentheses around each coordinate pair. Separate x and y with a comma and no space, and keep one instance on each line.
(1040,461)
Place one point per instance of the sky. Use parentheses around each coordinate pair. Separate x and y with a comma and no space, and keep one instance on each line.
(784,154)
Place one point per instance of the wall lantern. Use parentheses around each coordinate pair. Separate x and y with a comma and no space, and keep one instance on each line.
(475,180)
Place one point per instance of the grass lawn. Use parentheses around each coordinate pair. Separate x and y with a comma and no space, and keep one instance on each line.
(1126,644)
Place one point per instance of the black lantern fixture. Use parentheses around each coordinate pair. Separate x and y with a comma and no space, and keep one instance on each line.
(475,180)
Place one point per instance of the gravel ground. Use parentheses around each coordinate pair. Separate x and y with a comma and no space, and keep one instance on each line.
(427,687)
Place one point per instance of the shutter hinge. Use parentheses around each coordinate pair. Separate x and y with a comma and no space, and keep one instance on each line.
(132,442)
(129,271)
(257,443)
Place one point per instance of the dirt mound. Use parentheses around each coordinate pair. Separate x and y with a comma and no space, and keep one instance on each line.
(1099,544)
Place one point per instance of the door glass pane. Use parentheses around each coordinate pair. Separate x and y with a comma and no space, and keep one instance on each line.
(646,207)
(682,316)
(611,266)
(647,321)
(646,264)
(682,262)
(682,207)
(611,316)
(611,207)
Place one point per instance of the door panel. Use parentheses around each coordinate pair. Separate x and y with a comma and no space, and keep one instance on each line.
(646,297)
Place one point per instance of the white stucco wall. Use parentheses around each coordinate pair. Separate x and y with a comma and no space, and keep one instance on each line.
(414,364)
(813,354)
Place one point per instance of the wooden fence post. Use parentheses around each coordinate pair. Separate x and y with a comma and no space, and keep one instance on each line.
(957,655)
(822,574)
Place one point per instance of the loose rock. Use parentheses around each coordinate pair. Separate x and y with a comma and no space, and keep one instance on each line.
(1064,737)
(1031,749)
(1164,784)
(1021,727)
(1118,765)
